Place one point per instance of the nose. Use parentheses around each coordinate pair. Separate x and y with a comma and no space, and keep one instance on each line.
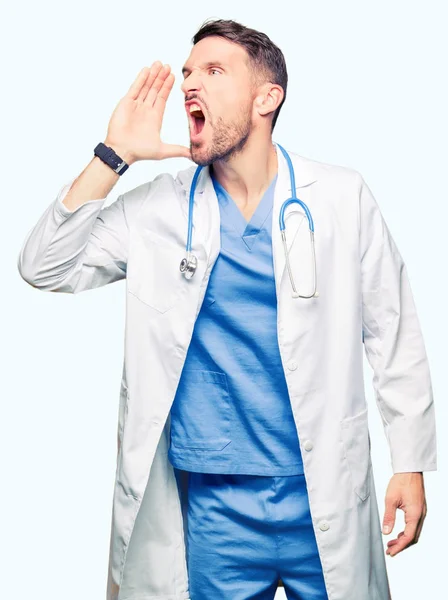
(192,82)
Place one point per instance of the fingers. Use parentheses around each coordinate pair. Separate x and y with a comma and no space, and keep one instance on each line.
(389,514)
(142,84)
(403,541)
(162,96)
(152,75)
(157,85)
(407,537)
(135,88)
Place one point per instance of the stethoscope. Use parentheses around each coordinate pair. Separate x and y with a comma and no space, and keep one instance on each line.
(189,264)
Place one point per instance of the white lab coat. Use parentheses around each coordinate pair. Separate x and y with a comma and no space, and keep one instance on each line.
(364,290)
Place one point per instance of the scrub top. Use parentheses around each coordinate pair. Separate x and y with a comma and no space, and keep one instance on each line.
(232,411)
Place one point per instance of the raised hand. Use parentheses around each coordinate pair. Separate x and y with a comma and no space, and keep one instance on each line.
(135,124)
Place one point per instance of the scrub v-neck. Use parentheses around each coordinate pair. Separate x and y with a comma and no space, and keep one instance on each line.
(247,230)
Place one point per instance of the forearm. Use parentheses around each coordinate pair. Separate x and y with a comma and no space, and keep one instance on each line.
(95,181)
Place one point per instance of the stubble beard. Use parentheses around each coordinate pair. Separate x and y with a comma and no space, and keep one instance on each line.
(228,140)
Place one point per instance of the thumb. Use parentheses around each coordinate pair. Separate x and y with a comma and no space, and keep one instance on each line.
(174,150)
(389,519)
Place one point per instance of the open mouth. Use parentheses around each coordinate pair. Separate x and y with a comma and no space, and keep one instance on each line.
(197,121)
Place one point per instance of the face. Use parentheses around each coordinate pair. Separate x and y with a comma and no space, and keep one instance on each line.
(217,75)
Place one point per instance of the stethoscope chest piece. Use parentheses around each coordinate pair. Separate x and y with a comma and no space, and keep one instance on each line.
(188,265)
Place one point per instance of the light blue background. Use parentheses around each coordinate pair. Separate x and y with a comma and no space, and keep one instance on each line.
(367,90)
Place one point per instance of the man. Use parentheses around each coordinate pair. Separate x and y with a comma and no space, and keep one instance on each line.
(243,442)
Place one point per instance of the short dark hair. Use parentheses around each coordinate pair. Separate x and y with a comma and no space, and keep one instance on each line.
(265,57)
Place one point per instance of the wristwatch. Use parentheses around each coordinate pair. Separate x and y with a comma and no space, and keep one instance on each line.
(111,158)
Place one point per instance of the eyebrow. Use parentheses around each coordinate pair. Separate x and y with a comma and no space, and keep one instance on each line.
(215,63)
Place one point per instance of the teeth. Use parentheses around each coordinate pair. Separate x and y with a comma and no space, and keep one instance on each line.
(196,111)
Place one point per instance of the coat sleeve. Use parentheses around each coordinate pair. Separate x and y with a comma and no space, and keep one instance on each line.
(75,250)
(394,345)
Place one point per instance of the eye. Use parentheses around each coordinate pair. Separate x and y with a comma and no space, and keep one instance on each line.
(213,69)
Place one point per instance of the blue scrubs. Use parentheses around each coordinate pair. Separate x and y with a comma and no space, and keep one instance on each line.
(232,412)
(247,531)
(233,431)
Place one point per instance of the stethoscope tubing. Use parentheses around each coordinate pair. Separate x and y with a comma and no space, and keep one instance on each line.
(188,265)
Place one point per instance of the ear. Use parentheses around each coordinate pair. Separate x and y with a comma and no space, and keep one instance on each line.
(269,98)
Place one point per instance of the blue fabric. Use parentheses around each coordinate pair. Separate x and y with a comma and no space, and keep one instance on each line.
(232,412)
(244,532)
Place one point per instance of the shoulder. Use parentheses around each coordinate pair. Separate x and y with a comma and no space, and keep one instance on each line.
(343,177)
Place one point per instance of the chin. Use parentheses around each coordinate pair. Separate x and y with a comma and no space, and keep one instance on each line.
(199,154)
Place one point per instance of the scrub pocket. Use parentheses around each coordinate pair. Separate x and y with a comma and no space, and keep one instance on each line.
(201,411)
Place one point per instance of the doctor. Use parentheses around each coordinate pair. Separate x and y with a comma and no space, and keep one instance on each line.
(243,441)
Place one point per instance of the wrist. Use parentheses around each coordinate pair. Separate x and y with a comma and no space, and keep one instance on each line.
(126,155)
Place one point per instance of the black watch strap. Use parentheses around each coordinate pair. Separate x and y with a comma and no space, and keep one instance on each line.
(111,158)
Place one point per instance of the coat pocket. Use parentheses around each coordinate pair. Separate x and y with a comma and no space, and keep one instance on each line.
(200,413)
(153,273)
(356,441)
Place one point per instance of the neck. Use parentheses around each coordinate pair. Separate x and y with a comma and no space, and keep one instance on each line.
(247,175)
